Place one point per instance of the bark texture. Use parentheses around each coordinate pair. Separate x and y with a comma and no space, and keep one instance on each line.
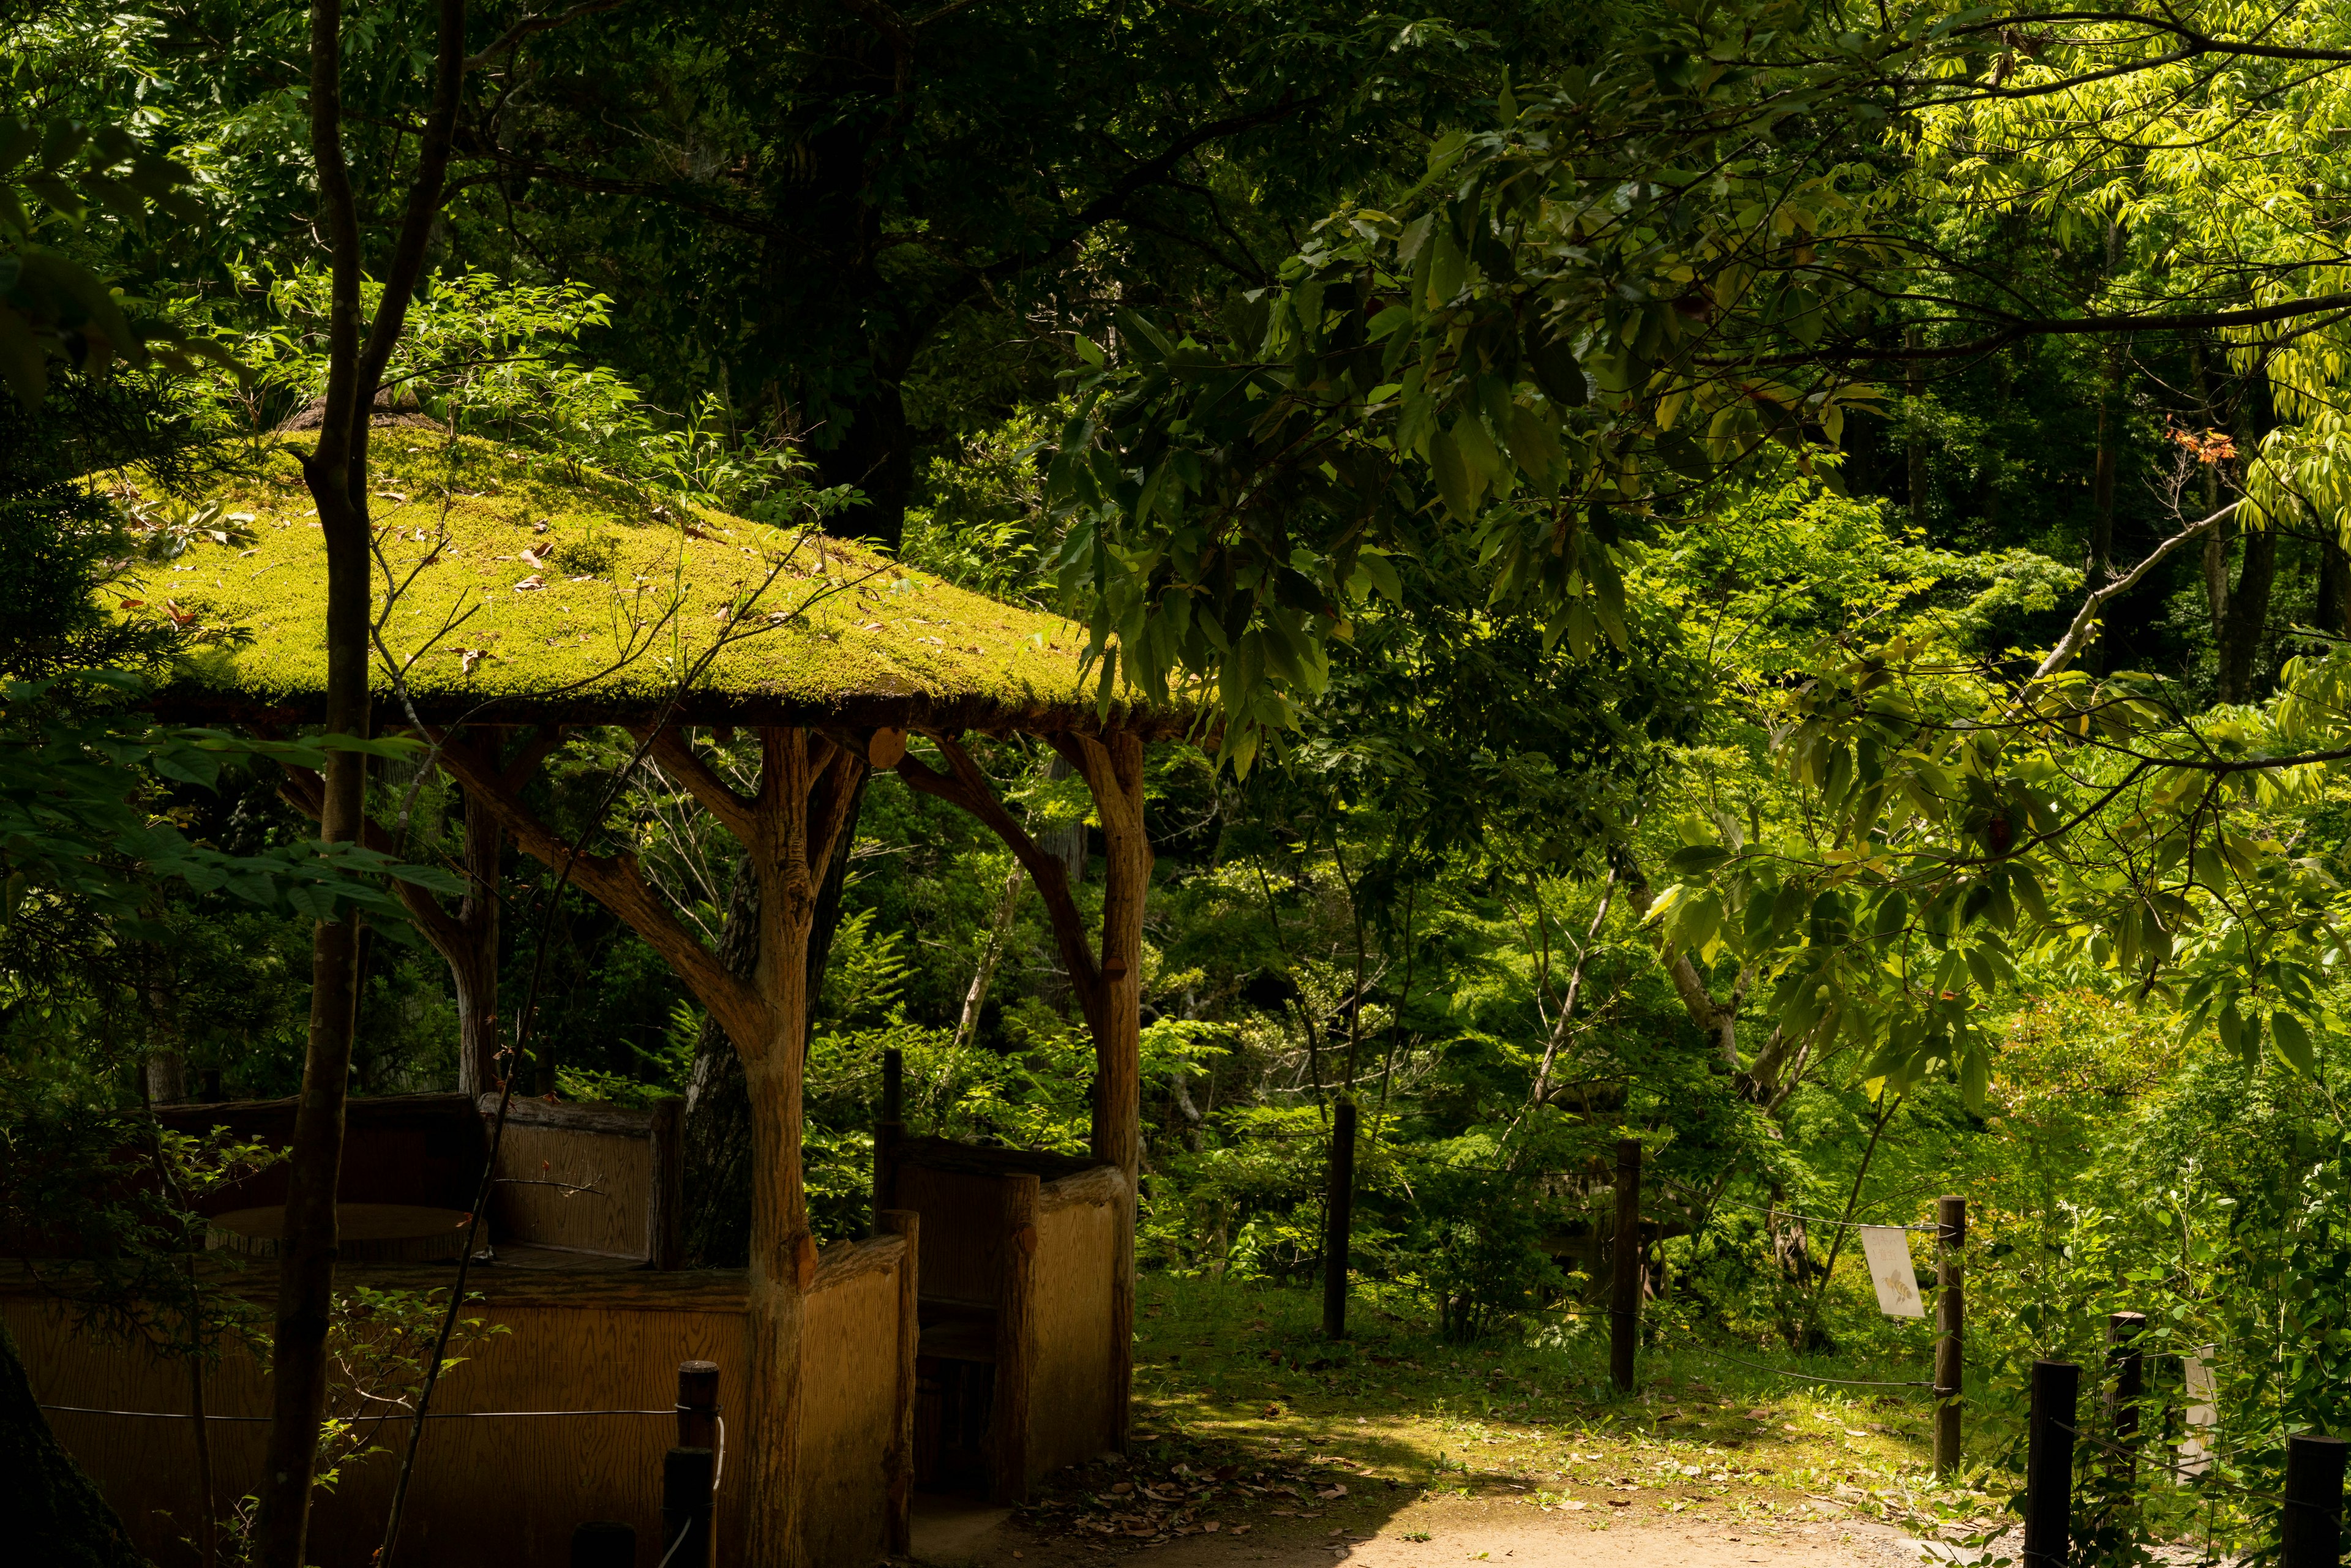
(57,1517)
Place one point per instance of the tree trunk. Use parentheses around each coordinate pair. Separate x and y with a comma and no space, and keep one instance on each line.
(2333,610)
(1113,771)
(1914,454)
(991,953)
(335,472)
(718,1154)
(2248,615)
(876,454)
(57,1517)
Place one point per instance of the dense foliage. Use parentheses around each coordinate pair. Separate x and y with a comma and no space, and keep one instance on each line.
(1766,577)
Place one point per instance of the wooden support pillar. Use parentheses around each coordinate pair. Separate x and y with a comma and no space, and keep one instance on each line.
(789,830)
(900,1465)
(1107,978)
(473,963)
(1016,1342)
(2126,1388)
(1113,766)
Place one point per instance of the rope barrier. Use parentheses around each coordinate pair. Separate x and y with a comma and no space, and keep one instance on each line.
(1796,1376)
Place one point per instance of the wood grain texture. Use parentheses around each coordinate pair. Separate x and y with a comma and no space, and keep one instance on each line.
(962,1240)
(1070,1406)
(850,1411)
(506,1493)
(610,1218)
(1016,1336)
(1094,1185)
(523,1111)
(899,1469)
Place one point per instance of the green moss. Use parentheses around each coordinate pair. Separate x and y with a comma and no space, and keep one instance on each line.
(514,579)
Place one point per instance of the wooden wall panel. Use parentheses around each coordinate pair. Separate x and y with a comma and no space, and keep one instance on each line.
(1070,1415)
(610,1219)
(962,1237)
(502,1493)
(849,1415)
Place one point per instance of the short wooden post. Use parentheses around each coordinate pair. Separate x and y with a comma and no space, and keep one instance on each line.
(666,1195)
(1338,1220)
(1016,1336)
(2049,1463)
(697,1405)
(1950,1330)
(889,1131)
(899,1465)
(686,1476)
(1625,1271)
(2310,1533)
(2126,1388)
(602,1543)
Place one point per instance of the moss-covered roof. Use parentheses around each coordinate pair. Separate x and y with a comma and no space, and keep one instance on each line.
(520,589)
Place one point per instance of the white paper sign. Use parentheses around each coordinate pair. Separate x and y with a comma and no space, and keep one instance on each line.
(2203,1414)
(1888,1248)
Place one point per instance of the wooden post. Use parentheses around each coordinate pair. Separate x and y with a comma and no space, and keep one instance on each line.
(665,1194)
(1950,1326)
(1016,1336)
(697,1405)
(685,1507)
(2125,1387)
(2049,1463)
(601,1544)
(889,1131)
(2310,1532)
(1624,1267)
(1338,1220)
(899,1466)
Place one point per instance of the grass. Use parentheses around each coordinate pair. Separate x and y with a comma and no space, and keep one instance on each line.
(1235,1381)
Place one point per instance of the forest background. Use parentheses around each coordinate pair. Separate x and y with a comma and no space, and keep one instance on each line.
(1771,577)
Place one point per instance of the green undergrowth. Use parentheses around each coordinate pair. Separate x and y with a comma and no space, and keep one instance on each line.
(1246,1412)
(508,574)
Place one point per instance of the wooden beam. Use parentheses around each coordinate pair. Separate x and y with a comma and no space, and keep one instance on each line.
(614,881)
(1016,1341)
(678,758)
(968,789)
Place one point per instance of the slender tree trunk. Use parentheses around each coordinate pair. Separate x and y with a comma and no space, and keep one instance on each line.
(2333,610)
(335,473)
(2248,615)
(1914,386)
(991,953)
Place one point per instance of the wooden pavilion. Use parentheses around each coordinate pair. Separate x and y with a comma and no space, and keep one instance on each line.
(517,598)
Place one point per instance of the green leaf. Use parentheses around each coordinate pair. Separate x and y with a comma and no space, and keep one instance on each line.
(2294,1043)
(1692,860)
(1455,484)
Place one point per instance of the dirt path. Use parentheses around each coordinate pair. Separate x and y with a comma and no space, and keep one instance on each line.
(1441,1532)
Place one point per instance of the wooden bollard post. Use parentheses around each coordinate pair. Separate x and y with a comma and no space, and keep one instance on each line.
(2310,1533)
(1338,1220)
(2049,1463)
(686,1536)
(2126,1388)
(1624,1267)
(889,1130)
(1950,1330)
(666,1202)
(602,1543)
(697,1405)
